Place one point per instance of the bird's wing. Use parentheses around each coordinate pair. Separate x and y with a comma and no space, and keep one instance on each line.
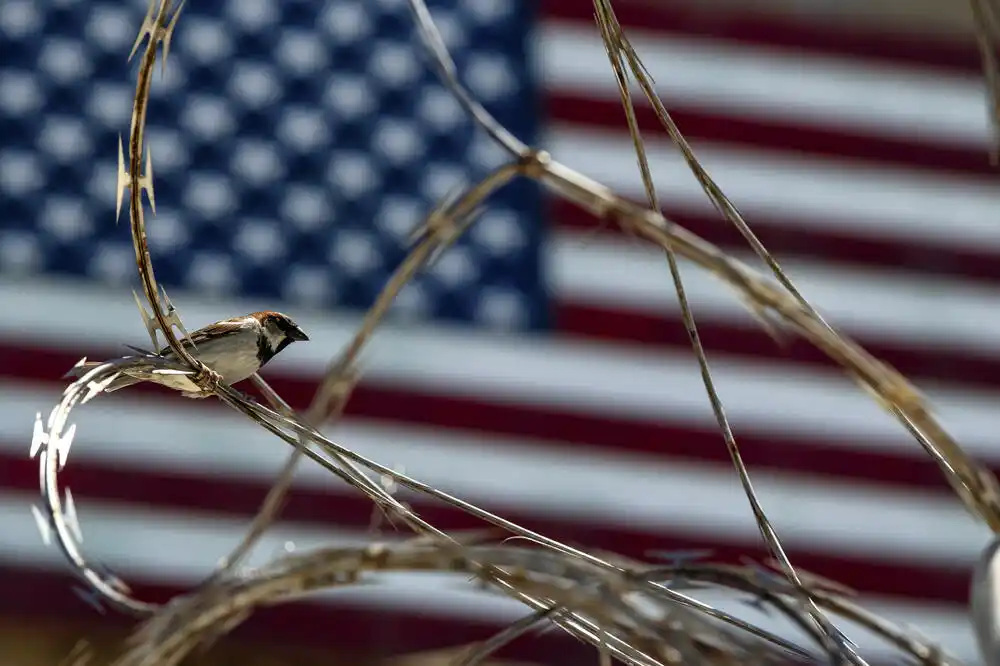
(207,333)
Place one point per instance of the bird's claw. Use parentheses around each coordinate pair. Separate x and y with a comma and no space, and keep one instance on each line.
(207,380)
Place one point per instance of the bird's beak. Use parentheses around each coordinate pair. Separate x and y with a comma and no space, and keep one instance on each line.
(296,333)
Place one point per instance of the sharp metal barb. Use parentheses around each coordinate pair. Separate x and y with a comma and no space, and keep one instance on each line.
(148,320)
(147,28)
(39,437)
(73,371)
(168,305)
(123,180)
(62,444)
(43,524)
(89,597)
(146,180)
(117,583)
(70,517)
(168,35)
(174,318)
(96,388)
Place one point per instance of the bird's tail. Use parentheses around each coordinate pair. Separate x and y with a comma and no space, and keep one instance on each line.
(119,382)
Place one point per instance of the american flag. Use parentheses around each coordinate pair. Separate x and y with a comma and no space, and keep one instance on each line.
(540,368)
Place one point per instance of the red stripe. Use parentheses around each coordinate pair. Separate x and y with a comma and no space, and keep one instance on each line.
(917,152)
(47,596)
(372,634)
(30,593)
(578,317)
(753,28)
(815,456)
(620,326)
(242,498)
(785,239)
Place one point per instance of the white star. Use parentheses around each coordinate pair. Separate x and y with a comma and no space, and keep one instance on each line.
(257,162)
(19,18)
(307,207)
(259,241)
(19,93)
(301,52)
(347,22)
(205,41)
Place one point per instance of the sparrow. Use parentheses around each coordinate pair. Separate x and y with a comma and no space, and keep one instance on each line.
(234,348)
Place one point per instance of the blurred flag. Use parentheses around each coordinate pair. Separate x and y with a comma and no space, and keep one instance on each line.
(540,368)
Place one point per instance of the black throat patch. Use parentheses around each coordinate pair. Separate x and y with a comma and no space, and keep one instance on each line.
(273,322)
(265,352)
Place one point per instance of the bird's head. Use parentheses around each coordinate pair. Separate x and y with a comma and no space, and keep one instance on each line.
(278,331)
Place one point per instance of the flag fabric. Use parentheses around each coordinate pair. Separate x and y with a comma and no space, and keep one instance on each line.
(540,368)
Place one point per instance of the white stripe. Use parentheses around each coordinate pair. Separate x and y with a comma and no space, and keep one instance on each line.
(886,305)
(905,102)
(591,378)
(146,545)
(822,194)
(644,492)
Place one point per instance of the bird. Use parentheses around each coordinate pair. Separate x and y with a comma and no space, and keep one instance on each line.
(234,348)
